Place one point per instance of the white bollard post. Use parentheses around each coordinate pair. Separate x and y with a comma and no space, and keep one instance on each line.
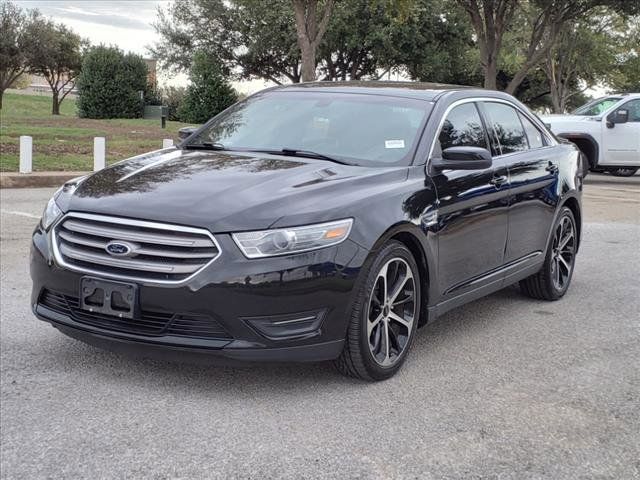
(167,142)
(26,154)
(99,156)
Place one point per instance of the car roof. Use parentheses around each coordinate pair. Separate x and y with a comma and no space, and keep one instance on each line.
(417,90)
(623,95)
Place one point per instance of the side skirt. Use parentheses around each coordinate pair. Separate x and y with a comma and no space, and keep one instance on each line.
(506,275)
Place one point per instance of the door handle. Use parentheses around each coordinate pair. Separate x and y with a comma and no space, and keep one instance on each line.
(552,168)
(498,181)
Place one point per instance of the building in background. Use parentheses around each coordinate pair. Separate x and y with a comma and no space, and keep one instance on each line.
(152,66)
(38,84)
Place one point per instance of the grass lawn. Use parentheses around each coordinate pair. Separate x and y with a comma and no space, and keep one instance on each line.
(65,142)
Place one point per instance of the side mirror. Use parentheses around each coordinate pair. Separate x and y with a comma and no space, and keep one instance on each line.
(463,158)
(619,116)
(185,132)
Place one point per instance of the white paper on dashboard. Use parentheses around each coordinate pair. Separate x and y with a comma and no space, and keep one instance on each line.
(394,144)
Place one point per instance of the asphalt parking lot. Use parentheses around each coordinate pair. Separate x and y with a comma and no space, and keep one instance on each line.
(505,387)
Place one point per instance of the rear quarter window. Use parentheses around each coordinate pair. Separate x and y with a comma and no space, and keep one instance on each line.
(534,136)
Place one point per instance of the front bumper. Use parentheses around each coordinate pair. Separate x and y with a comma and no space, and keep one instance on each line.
(238,295)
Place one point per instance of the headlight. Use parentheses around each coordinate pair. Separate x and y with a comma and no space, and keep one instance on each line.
(51,213)
(284,241)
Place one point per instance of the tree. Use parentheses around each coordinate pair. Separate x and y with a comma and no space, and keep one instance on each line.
(625,74)
(627,77)
(15,43)
(364,39)
(173,98)
(433,42)
(248,38)
(208,93)
(311,25)
(110,83)
(351,45)
(490,20)
(153,94)
(57,56)
(584,55)
(368,38)
(543,21)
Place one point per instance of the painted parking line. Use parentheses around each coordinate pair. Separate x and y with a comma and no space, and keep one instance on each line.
(614,199)
(20,214)
(614,191)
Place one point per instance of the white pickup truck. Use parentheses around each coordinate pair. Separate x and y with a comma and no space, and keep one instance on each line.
(607,131)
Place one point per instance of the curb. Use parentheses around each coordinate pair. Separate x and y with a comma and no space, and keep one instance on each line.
(613,181)
(36,179)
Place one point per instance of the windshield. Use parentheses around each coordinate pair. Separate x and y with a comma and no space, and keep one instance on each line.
(353,128)
(597,107)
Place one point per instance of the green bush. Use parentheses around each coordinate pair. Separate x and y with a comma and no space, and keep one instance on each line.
(173,97)
(208,93)
(110,84)
(153,95)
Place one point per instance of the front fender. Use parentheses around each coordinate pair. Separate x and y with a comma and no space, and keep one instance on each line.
(413,219)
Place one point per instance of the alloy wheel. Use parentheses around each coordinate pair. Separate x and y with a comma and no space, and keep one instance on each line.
(563,253)
(392,311)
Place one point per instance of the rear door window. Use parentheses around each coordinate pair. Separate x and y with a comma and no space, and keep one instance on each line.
(507,127)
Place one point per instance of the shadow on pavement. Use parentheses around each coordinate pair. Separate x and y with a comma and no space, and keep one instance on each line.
(270,379)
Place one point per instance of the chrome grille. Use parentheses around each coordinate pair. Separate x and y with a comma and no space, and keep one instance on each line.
(155,252)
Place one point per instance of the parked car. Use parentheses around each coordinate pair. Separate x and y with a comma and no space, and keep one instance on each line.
(607,131)
(321,221)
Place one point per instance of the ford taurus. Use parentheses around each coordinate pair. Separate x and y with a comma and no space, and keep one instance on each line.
(312,222)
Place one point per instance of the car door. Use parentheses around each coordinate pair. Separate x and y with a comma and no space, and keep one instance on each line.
(472,209)
(621,143)
(533,172)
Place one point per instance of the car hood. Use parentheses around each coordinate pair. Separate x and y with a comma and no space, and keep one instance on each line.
(227,191)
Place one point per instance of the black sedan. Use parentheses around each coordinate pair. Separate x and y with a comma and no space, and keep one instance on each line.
(322,221)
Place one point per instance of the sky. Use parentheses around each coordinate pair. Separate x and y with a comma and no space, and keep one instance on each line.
(124,23)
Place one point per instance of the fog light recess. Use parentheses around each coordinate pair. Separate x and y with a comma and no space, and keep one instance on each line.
(293,325)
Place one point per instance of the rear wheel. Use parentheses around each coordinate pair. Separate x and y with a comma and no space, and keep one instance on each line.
(624,172)
(384,318)
(553,280)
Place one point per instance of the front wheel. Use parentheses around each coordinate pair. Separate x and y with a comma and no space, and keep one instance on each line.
(384,317)
(552,281)
(624,172)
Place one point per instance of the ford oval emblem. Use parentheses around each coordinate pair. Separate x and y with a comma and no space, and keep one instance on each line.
(118,248)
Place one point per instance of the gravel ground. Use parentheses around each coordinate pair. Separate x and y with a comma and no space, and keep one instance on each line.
(505,387)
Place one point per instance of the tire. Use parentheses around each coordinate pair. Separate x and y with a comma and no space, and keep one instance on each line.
(624,172)
(365,355)
(554,278)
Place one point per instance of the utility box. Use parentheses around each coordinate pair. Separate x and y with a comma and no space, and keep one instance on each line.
(161,112)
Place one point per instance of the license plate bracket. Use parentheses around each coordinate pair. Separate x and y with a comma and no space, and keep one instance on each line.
(109,298)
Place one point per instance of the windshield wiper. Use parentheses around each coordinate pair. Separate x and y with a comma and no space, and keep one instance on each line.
(206,146)
(296,152)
